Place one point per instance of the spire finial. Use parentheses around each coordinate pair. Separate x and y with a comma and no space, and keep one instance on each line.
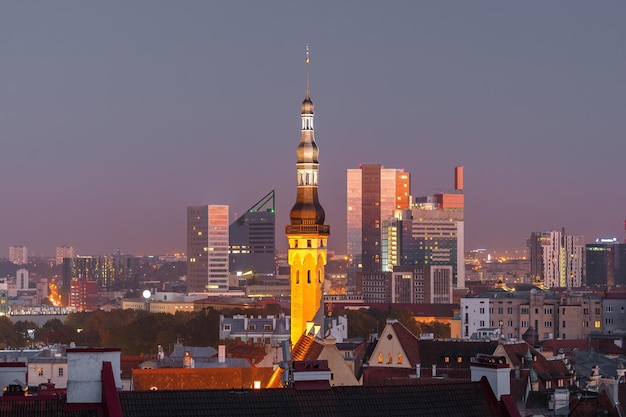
(307,71)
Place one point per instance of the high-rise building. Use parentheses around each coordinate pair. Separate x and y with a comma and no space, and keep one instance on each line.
(373,194)
(430,233)
(605,262)
(18,255)
(64,252)
(252,240)
(207,248)
(557,259)
(307,234)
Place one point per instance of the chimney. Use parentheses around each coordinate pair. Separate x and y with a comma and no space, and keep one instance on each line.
(221,353)
(418,370)
(517,372)
(458,178)
(84,373)
(496,370)
(434,370)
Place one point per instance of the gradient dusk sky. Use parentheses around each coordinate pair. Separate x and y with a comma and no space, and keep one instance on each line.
(117,115)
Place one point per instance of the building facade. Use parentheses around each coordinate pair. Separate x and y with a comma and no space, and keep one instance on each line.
(605,263)
(64,252)
(18,255)
(373,194)
(252,240)
(207,248)
(557,259)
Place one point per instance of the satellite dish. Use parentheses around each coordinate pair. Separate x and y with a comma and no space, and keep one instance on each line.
(146,294)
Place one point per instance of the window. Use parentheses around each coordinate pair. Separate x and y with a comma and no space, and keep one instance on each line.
(509,323)
(563,324)
(389,359)
(252,327)
(608,309)
(524,323)
(399,358)
(509,310)
(500,310)
(447,359)
(524,310)
(482,323)
(482,310)
(585,311)
(597,324)
(60,371)
(40,371)
(227,327)
(459,359)
(308,276)
(380,357)
(547,311)
(547,324)
(598,310)
(267,327)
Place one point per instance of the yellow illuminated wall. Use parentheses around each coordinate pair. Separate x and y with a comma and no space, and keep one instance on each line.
(307,257)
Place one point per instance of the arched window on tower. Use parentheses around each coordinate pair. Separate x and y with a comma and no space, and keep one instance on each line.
(319,277)
(308,276)
(297,277)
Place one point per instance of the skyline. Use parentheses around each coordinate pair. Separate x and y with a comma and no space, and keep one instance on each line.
(116,117)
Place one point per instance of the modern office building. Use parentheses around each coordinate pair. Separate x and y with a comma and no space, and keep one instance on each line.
(207,248)
(605,263)
(64,252)
(18,255)
(430,233)
(252,240)
(307,234)
(21,279)
(373,194)
(557,259)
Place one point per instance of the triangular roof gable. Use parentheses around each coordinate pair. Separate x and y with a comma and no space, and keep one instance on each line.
(398,347)
(342,374)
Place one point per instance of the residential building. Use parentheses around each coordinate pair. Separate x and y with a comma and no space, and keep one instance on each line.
(18,255)
(408,284)
(252,240)
(64,252)
(614,313)
(557,259)
(207,248)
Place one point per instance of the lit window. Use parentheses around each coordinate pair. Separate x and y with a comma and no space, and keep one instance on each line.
(380,357)
(597,324)
(40,371)
(399,358)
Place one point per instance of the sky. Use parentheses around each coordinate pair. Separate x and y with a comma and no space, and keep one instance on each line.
(115,116)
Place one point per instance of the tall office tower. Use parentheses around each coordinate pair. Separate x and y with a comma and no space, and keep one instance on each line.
(373,194)
(4,296)
(433,231)
(605,262)
(64,252)
(207,248)
(307,234)
(557,259)
(252,240)
(18,255)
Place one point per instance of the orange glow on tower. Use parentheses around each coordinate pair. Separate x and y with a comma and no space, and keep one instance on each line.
(307,234)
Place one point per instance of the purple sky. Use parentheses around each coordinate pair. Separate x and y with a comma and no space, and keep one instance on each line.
(115,116)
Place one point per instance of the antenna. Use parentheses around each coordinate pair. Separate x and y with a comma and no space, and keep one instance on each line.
(307,71)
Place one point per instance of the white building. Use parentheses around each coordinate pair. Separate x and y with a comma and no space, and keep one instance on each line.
(64,252)
(474,316)
(21,279)
(557,259)
(18,255)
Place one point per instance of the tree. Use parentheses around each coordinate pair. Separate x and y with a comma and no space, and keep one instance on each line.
(9,338)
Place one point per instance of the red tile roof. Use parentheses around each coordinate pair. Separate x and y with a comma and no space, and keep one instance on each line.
(408,341)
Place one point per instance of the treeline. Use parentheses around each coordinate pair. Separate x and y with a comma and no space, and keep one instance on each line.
(362,323)
(137,332)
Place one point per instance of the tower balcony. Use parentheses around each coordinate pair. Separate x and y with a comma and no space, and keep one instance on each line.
(304,229)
